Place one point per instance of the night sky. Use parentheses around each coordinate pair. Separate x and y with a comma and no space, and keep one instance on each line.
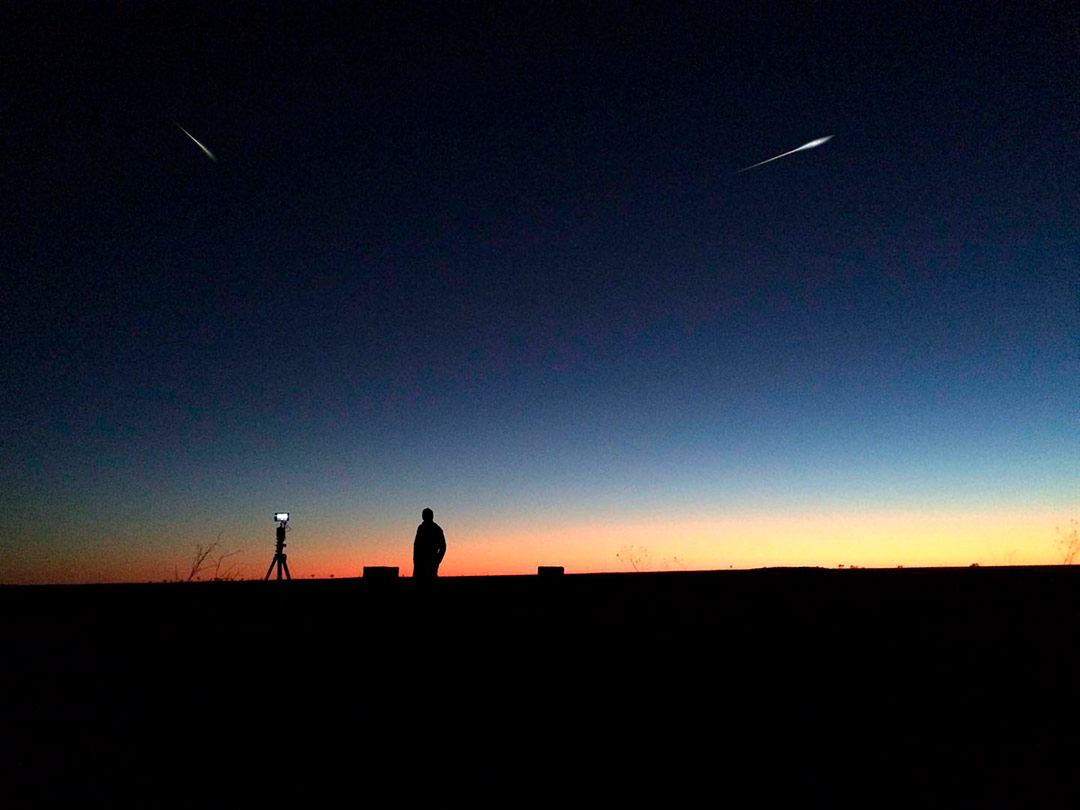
(497,260)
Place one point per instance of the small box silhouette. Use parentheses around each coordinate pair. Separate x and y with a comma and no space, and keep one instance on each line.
(380,572)
(549,571)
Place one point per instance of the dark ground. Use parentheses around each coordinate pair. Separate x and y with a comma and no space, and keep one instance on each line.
(943,685)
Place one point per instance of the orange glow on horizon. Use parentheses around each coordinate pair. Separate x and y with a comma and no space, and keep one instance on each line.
(871,540)
(826,540)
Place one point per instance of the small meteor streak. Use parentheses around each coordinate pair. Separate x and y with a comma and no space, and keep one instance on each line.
(206,151)
(810,145)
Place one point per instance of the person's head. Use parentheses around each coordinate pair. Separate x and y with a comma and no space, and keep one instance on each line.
(427,514)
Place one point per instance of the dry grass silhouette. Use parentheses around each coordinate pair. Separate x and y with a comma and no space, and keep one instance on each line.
(636,558)
(208,558)
(1068,542)
(639,559)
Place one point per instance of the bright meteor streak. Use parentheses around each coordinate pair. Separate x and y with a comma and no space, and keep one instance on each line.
(206,151)
(810,145)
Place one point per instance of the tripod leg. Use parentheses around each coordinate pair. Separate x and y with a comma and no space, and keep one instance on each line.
(287,574)
(271,568)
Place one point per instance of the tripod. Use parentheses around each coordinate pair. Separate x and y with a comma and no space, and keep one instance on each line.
(279,555)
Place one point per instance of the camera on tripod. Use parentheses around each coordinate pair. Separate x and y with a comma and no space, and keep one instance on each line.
(282,519)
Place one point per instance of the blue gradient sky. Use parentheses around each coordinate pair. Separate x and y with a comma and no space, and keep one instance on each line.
(499,263)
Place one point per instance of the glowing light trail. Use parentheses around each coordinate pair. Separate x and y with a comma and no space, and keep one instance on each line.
(206,151)
(810,145)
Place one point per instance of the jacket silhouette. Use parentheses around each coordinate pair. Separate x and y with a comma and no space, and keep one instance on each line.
(429,547)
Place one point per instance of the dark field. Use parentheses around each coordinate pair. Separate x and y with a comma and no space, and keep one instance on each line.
(945,685)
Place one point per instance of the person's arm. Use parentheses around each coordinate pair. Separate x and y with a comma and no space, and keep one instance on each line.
(442,545)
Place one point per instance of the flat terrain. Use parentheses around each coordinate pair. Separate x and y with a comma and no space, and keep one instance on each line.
(950,683)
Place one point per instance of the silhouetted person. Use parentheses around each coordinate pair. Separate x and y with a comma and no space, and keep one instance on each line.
(429,547)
